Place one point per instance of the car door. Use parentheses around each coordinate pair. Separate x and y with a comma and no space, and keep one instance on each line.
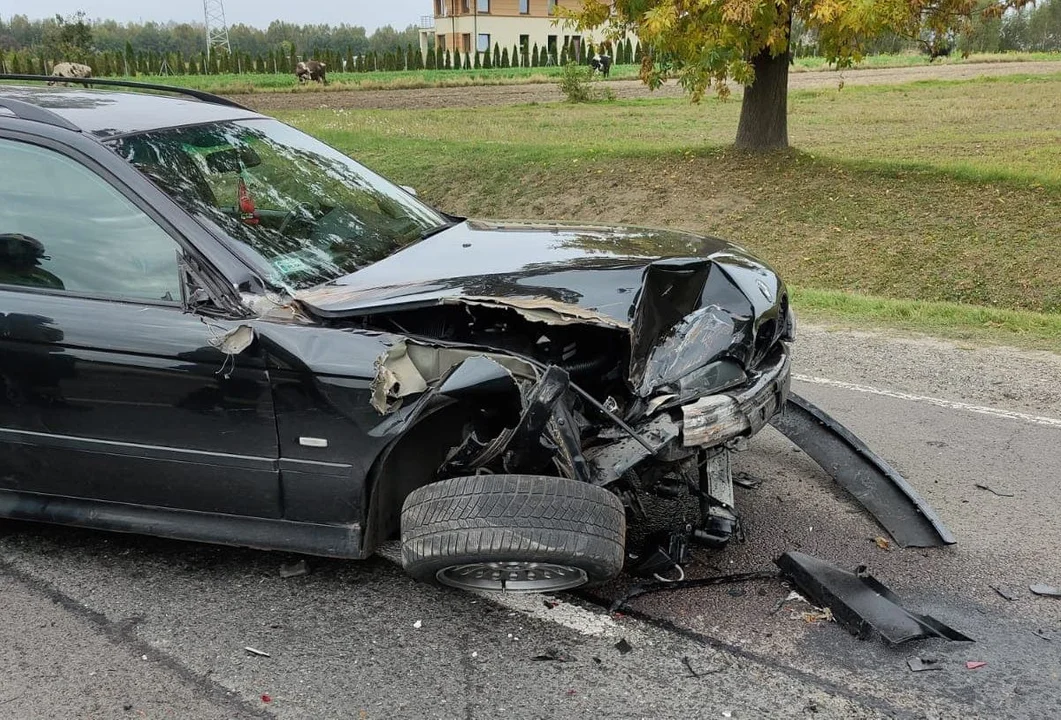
(108,390)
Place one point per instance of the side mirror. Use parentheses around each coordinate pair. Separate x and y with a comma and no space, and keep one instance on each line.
(410,190)
(20,251)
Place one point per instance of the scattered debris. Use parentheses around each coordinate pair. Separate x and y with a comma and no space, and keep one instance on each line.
(689,667)
(1044,635)
(420,623)
(267,698)
(820,615)
(623,646)
(1045,590)
(597,660)
(918,664)
(256,652)
(859,602)
(992,490)
(644,589)
(882,542)
(975,664)
(749,482)
(550,603)
(553,655)
(1006,592)
(295,569)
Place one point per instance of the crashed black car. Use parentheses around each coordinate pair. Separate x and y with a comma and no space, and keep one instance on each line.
(215,327)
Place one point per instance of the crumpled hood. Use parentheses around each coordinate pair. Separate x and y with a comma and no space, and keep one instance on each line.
(685,302)
(586,273)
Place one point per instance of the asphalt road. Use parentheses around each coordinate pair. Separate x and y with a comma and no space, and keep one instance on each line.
(102,626)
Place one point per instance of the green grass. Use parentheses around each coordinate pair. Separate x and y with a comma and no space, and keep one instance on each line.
(1040,331)
(941,191)
(236,84)
(924,193)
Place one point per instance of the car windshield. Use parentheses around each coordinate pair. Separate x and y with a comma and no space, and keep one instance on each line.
(312,213)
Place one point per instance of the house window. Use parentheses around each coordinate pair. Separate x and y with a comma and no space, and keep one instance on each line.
(467,39)
(465,7)
(483,5)
(552,6)
(483,44)
(442,43)
(524,7)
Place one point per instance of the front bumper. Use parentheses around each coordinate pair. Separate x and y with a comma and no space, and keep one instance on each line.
(708,422)
(716,419)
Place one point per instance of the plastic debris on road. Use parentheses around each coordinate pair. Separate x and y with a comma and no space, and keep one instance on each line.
(295,569)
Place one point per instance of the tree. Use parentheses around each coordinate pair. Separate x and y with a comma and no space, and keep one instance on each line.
(497,55)
(69,39)
(709,43)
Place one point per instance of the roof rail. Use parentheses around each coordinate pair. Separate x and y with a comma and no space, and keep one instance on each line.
(28,111)
(197,94)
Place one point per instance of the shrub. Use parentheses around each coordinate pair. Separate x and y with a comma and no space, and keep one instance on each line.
(576,83)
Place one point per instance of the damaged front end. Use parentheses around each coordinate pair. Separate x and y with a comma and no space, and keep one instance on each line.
(647,403)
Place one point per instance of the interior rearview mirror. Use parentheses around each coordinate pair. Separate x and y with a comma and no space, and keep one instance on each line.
(232,160)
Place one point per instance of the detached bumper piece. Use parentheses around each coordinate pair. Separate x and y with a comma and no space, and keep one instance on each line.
(875,484)
(861,603)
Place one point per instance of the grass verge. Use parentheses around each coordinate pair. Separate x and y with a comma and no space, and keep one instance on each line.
(938,191)
(955,321)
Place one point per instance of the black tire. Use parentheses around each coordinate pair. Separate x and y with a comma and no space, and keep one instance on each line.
(532,522)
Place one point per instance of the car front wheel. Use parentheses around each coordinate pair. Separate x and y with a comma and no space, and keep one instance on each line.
(515,533)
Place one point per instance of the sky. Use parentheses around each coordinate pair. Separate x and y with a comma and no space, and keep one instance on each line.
(259,13)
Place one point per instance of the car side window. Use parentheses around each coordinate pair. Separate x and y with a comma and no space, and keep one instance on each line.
(64,227)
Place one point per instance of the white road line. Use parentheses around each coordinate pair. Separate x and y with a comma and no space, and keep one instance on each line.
(573,617)
(938,402)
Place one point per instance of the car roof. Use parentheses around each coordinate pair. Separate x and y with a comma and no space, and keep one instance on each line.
(106,113)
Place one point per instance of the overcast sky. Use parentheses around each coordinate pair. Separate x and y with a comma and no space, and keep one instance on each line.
(369,13)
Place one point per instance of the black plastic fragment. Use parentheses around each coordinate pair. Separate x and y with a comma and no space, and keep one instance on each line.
(1006,592)
(918,664)
(881,490)
(861,603)
(623,646)
(644,589)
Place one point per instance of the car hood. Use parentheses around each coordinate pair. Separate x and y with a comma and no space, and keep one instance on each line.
(576,273)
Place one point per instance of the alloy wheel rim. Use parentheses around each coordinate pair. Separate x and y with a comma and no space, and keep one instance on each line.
(515,576)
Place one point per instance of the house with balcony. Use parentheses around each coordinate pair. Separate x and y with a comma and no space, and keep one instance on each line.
(477,25)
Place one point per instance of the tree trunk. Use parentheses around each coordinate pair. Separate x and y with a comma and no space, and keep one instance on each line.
(764,111)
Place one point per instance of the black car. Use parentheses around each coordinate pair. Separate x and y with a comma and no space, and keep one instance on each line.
(215,327)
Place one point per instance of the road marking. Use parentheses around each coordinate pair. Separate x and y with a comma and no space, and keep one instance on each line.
(573,617)
(938,402)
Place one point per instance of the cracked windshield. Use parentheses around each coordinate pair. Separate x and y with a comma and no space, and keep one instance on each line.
(309,211)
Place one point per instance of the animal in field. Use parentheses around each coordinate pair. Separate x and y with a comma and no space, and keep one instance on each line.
(70,70)
(602,64)
(311,70)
